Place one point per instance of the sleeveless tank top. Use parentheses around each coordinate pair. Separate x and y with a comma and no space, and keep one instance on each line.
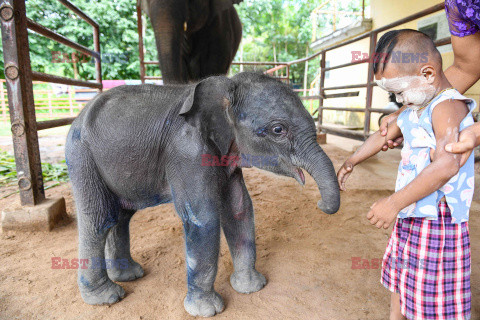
(419,138)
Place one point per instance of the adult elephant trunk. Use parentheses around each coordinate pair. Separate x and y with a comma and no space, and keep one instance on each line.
(316,162)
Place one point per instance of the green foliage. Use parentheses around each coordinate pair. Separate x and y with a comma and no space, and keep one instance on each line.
(283,24)
(51,172)
(118,38)
(272,29)
(55,172)
(8,172)
(282,29)
(5,129)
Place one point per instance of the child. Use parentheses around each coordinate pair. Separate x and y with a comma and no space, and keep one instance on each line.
(426,265)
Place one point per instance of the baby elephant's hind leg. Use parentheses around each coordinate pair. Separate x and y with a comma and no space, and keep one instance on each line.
(93,281)
(97,212)
(117,251)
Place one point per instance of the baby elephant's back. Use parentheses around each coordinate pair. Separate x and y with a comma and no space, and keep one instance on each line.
(123,127)
(126,114)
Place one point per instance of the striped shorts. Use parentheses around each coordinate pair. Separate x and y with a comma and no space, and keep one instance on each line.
(428,263)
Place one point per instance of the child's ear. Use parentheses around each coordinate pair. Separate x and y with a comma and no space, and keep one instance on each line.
(429,73)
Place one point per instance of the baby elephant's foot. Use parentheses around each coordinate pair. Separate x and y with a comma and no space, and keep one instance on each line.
(107,293)
(204,304)
(247,281)
(128,271)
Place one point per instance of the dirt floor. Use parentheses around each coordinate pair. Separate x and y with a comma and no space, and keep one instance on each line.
(305,254)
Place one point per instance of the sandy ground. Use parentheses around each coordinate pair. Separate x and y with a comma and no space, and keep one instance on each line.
(305,254)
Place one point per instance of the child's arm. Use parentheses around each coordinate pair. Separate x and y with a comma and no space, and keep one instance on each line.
(446,120)
(370,147)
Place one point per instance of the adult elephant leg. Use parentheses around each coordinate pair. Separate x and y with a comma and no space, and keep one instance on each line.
(168,19)
(239,228)
(200,215)
(215,46)
(117,251)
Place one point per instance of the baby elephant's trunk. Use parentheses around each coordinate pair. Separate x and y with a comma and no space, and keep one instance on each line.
(320,167)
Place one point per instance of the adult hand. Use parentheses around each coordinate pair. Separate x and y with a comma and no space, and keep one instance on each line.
(466,142)
(384,128)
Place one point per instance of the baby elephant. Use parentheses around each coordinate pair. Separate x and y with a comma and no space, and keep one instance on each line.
(134,147)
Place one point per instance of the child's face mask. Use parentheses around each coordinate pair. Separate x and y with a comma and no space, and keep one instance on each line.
(412,91)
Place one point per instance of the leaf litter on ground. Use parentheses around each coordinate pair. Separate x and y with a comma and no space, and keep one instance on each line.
(51,172)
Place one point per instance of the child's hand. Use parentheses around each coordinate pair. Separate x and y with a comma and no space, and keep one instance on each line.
(382,213)
(343,174)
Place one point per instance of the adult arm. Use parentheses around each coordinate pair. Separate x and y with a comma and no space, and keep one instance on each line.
(465,70)
(464,73)
(469,138)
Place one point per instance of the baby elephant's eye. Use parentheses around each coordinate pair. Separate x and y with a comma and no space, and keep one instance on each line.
(278,129)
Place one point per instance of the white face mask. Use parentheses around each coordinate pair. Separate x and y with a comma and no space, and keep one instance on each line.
(413,91)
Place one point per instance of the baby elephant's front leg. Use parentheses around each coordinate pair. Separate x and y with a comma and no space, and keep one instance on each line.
(202,236)
(239,228)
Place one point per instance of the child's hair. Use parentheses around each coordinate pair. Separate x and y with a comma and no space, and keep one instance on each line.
(407,42)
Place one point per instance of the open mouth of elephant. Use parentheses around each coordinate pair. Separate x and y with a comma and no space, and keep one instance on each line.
(298,175)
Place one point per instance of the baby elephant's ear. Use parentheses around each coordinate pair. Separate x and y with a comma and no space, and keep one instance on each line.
(207,106)
(188,103)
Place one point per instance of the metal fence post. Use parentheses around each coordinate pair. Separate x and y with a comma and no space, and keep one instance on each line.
(288,74)
(140,43)
(98,61)
(321,92)
(368,105)
(18,76)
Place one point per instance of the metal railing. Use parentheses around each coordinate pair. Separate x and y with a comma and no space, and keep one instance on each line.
(141,50)
(322,95)
(49,103)
(369,84)
(19,77)
(277,66)
(372,36)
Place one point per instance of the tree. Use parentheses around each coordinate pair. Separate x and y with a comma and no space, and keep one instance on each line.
(273,30)
(282,26)
(284,30)
(118,38)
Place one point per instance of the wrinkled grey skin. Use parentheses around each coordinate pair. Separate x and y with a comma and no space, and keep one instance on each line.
(194,38)
(139,146)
